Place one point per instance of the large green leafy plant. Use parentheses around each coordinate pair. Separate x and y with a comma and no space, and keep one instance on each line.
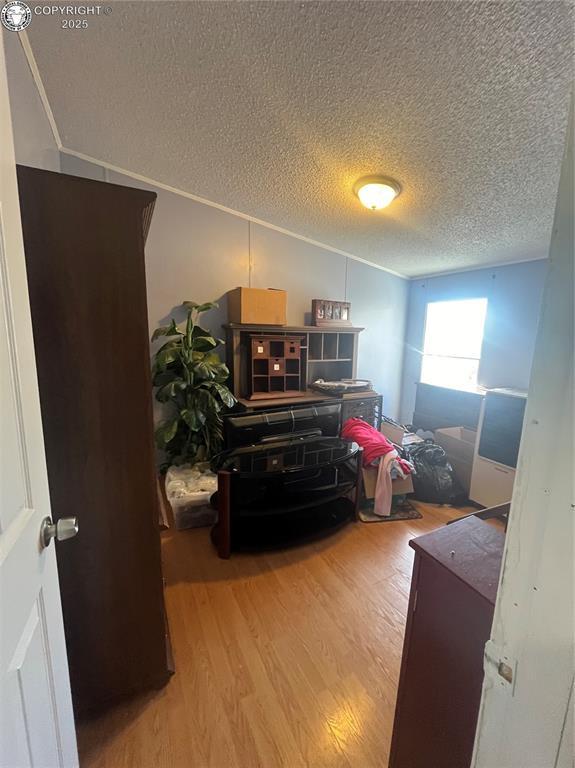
(191,379)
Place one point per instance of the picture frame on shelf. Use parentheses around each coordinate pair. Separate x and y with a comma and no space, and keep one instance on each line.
(328,312)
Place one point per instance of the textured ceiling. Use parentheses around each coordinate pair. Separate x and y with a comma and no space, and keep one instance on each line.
(274,109)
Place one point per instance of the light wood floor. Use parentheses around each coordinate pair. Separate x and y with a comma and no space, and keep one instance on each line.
(282,659)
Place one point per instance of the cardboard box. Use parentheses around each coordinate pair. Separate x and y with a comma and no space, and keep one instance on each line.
(257,306)
(393,432)
(399,487)
(459,445)
(396,434)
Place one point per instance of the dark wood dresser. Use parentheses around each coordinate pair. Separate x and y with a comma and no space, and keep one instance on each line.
(453,591)
(84,243)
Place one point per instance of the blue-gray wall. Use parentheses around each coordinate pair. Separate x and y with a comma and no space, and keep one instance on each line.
(195,251)
(514,297)
(198,252)
(379,304)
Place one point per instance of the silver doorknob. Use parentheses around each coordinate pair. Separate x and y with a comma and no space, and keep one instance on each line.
(65,528)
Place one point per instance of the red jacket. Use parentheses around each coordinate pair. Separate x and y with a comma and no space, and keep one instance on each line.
(374,444)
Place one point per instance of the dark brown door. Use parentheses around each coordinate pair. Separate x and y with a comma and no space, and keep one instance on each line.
(84,243)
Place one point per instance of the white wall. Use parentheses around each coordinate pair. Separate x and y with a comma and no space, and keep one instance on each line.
(514,298)
(33,138)
(527,723)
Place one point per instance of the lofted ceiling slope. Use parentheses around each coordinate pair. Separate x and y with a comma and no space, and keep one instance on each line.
(274,109)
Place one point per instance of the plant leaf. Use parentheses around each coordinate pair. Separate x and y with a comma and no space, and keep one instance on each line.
(199,331)
(203,370)
(193,305)
(166,431)
(166,356)
(161,331)
(167,330)
(204,343)
(226,396)
(207,403)
(194,419)
(174,330)
(206,306)
(170,390)
(160,378)
(172,344)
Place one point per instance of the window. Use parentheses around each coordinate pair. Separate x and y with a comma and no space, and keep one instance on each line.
(452,345)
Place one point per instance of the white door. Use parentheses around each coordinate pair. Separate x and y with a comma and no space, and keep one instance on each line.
(526,716)
(36,719)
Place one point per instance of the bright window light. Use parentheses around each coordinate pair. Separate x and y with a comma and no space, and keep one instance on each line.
(452,345)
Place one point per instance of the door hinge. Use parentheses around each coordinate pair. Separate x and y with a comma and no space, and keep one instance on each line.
(495,660)
(505,671)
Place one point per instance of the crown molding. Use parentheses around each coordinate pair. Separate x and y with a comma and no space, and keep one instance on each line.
(496,265)
(25,43)
(219,206)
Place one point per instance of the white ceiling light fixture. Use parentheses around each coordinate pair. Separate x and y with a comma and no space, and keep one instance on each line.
(376,192)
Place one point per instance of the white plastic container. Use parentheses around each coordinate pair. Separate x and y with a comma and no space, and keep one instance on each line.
(188,490)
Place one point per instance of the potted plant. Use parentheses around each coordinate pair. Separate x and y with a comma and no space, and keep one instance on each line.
(191,379)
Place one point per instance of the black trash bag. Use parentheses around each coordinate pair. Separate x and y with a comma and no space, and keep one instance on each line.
(433,480)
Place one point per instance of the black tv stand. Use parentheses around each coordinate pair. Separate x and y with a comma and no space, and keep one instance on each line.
(281,493)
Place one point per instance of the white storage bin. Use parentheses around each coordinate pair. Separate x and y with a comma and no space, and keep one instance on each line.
(188,490)
(491,483)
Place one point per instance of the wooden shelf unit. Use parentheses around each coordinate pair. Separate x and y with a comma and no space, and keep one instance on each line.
(328,353)
(275,366)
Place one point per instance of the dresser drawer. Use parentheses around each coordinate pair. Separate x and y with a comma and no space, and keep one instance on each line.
(491,483)
(260,348)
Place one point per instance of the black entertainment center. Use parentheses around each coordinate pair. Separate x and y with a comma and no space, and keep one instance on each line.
(286,475)
(284,490)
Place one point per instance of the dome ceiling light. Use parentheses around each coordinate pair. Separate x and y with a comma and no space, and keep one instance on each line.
(376,191)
